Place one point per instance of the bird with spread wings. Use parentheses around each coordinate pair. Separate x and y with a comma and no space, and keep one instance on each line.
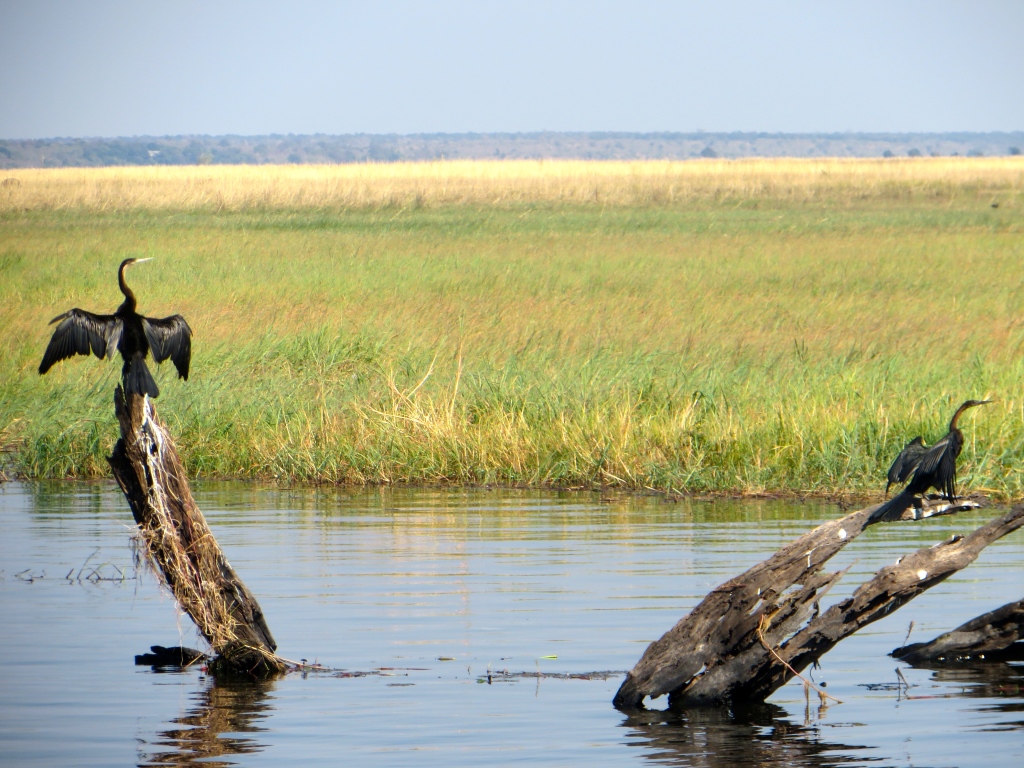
(133,335)
(927,467)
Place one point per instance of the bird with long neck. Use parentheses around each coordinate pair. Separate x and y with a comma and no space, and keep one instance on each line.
(133,335)
(129,305)
(933,467)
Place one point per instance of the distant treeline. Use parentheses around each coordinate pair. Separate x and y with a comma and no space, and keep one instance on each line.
(361,148)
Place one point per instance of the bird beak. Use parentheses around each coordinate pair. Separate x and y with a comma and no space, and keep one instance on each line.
(148,258)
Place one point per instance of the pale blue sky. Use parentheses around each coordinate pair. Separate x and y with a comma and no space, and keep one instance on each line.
(132,67)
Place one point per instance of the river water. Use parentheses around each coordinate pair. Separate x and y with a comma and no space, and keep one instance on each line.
(429,591)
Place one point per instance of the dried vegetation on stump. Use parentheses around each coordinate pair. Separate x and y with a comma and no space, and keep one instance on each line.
(177,538)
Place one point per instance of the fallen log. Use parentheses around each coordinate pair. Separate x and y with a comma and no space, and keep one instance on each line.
(995,636)
(750,635)
(178,540)
(175,656)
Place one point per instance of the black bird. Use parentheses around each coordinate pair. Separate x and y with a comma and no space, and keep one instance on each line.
(131,334)
(906,462)
(933,467)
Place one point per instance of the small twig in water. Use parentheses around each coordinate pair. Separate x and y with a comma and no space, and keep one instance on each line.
(909,630)
(301,663)
(903,680)
(90,557)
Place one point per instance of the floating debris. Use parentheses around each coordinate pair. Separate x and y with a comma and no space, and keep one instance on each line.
(504,675)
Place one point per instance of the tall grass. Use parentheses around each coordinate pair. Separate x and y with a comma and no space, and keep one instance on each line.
(773,328)
(502,183)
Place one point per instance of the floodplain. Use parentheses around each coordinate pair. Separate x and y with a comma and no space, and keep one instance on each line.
(704,327)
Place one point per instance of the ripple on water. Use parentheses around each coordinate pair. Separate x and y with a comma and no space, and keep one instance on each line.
(440,587)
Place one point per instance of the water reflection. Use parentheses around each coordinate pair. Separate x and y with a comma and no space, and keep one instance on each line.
(719,738)
(999,682)
(211,729)
(445,586)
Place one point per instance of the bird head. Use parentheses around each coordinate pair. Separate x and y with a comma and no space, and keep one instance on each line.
(972,403)
(967,404)
(128,262)
(129,296)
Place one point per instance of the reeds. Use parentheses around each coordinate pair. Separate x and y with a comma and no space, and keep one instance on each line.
(735,342)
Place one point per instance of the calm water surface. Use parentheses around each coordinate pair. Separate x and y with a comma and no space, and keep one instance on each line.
(431,590)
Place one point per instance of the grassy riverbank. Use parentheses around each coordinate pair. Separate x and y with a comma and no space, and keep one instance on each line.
(747,326)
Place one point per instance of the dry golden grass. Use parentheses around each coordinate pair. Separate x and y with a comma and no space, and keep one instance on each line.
(500,182)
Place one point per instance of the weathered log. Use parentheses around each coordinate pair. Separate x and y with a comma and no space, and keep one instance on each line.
(733,647)
(995,635)
(175,656)
(146,466)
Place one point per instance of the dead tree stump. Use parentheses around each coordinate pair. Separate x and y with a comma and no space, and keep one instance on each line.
(178,540)
(748,635)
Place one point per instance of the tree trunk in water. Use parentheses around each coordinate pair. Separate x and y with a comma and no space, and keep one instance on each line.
(733,647)
(995,635)
(146,466)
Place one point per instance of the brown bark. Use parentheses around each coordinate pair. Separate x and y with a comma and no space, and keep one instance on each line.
(146,466)
(993,635)
(718,654)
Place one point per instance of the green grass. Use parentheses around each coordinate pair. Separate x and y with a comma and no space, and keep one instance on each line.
(757,346)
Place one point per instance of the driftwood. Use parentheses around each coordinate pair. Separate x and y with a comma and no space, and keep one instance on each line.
(996,635)
(175,656)
(750,634)
(177,538)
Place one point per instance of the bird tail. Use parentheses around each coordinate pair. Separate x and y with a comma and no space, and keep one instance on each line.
(137,378)
(892,509)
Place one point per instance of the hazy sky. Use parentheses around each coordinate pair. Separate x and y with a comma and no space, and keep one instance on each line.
(134,67)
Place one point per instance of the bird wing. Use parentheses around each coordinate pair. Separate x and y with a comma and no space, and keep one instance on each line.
(906,463)
(939,462)
(80,333)
(170,337)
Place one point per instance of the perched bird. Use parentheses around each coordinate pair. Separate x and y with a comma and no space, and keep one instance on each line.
(933,467)
(130,333)
(906,462)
